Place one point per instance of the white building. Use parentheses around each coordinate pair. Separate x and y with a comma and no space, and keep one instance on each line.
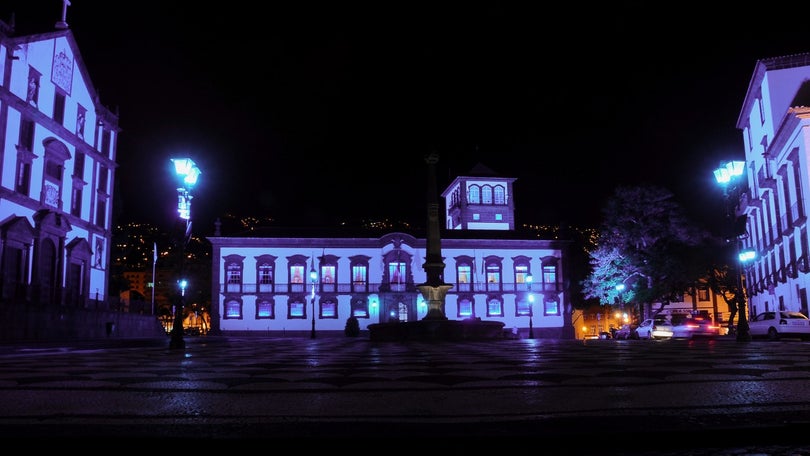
(261,281)
(774,121)
(57,170)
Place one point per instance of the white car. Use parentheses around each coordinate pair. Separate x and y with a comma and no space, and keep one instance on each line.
(655,328)
(782,323)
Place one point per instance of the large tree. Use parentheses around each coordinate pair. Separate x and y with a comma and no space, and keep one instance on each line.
(647,244)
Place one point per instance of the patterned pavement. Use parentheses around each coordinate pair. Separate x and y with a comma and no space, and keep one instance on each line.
(728,396)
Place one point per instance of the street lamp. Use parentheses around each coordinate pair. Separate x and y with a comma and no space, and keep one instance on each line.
(531,301)
(313,276)
(188,171)
(727,175)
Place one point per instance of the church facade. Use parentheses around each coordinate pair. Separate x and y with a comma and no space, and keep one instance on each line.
(57,172)
(279,282)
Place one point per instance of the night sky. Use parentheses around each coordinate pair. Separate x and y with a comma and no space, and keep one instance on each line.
(310,113)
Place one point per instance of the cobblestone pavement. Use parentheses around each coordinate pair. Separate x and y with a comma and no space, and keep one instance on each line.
(705,397)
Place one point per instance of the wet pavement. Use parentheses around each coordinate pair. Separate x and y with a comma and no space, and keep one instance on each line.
(673,397)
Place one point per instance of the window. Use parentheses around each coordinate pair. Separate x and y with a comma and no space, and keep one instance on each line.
(465,308)
(265,278)
(464,275)
(297,310)
(476,216)
(76,200)
(105,143)
(493,272)
(23,181)
(233,309)
(523,307)
(551,307)
(494,307)
(549,277)
(396,272)
(359,277)
(264,309)
(102,179)
(328,309)
(101,212)
(474,197)
(328,273)
(297,274)
(500,195)
(499,217)
(59,107)
(78,166)
(27,134)
(486,195)
(233,273)
(703,294)
(521,276)
(359,308)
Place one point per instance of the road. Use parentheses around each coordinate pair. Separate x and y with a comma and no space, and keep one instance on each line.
(593,396)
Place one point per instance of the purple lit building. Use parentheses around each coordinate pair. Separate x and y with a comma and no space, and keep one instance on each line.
(262,282)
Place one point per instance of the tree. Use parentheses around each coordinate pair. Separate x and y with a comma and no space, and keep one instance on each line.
(646,243)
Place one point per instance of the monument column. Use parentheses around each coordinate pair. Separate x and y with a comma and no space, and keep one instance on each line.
(434,289)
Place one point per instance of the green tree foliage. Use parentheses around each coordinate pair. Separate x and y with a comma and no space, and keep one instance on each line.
(647,244)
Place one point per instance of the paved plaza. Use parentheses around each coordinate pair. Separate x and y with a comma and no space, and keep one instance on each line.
(594,396)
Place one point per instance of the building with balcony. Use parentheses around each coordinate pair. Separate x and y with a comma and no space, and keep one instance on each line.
(774,121)
(281,281)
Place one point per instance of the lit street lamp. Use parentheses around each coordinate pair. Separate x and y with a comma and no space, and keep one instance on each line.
(313,276)
(189,173)
(727,175)
(531,302)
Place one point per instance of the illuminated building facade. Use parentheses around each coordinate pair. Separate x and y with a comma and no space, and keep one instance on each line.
(57,173)
(262,282)
(774,121)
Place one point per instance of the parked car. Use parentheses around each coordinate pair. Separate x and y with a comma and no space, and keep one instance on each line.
(626,332)
(658,327)
(695,327)
(783,323)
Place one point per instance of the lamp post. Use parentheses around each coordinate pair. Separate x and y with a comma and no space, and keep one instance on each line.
(531,301)
(313,276)
(727,175)
(188,171)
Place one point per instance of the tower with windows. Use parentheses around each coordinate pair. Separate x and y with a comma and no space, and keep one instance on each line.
(481,200)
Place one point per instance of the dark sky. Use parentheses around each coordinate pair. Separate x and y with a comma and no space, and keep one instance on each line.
(308,112)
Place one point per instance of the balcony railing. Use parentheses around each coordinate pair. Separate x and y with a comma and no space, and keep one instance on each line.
(356,287)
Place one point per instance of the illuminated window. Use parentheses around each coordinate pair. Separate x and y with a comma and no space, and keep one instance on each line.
(499,217)
(265,278)
(476,216)
(396,272)
(486,195)
(233,273)
(360,308)
(297,310)
(233,309)
(523,308)
(297,274)
(464,273)
(465,308)
(328,273)
(500,195)
(494,308)
(549,277)
(475,197)
(264,309)
(551,308)
(329,309)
